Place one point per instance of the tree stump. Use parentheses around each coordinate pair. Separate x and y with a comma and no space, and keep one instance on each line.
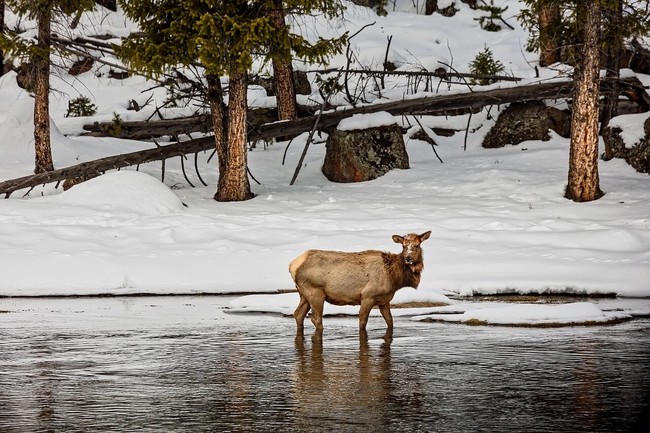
(519,122)
(357,155)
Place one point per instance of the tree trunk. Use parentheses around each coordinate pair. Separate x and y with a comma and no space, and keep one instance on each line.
(549,19)
(219,122)
(583,182)
(613,50)
(283,72)
(430,6)
(41,63)
(235,185)
(2,31)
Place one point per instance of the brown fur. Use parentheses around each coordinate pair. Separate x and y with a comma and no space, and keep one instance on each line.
(365,278)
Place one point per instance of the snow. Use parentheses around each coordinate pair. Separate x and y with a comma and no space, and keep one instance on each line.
(364,121)
(498,218)
(631,125)
(530,314)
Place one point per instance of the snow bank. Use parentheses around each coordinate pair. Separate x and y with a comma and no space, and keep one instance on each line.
(125,191)
(578,313)
(286,303)
(487,313)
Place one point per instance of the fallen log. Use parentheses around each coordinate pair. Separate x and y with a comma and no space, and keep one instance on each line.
(434,105)
(99,166)
(270,130)
(141,130)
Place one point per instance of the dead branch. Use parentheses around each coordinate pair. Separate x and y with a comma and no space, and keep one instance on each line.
(439,73)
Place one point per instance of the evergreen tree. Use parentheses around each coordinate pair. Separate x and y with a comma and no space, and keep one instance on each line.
(554,29)
(549,20)
(283,72)
(43,11)
(223,37)
(583,181)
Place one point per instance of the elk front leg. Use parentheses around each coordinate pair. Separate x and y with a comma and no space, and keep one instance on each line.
(301,312)
(388,317)
(364,312)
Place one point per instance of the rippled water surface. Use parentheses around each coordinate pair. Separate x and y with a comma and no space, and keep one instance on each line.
(182,364)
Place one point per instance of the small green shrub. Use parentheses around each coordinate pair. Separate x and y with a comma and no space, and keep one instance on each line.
(488,22)
(485,64)
(81,107)
(116,125)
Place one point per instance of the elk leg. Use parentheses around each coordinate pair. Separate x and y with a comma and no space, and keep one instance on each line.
(316,303)
(301,311)
(388,317)
(364,312)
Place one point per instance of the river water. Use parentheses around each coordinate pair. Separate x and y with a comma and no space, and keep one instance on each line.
(182,364)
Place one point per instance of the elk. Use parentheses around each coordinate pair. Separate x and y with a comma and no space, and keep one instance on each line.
(365,278)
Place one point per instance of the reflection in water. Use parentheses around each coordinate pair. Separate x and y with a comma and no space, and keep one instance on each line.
(355,390)
(258,375)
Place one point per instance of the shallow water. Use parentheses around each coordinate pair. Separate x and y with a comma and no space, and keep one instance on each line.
(182,364)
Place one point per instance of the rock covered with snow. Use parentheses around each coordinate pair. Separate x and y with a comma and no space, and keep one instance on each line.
(628,137)
(365,147)
(125,191)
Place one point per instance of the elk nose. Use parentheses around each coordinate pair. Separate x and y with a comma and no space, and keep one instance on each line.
(408,260)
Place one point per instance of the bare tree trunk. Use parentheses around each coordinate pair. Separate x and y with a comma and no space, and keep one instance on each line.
(430,6)
(583,182)
(613,51)
(41,63)
(283,71)
(549,19)
(235,185)
(219,122)
(2,30)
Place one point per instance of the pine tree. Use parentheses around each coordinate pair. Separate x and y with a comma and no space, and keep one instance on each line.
(549,20)
(223,37)
(43,11)
(583,182)
(554,30)
(283,72)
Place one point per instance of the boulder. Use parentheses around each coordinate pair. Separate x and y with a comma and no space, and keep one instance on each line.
(635,154)
(358,155)
(521,121)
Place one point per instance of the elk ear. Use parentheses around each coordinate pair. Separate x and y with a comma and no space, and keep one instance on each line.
(398,239)
(425,236)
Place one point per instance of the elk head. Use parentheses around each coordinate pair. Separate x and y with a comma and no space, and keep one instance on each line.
(411,250)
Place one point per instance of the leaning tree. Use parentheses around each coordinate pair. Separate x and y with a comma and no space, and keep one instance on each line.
(223,38)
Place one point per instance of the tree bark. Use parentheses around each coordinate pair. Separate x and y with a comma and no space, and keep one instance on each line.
(235,185)
(283,73)
(549,19)
(613,50)
(2,31)
(219,124)
(430,6)
(41,64)
(583,182)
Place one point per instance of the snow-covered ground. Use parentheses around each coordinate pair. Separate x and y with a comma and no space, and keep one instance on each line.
(498,218)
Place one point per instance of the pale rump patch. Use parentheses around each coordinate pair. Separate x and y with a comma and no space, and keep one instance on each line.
(295,264)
